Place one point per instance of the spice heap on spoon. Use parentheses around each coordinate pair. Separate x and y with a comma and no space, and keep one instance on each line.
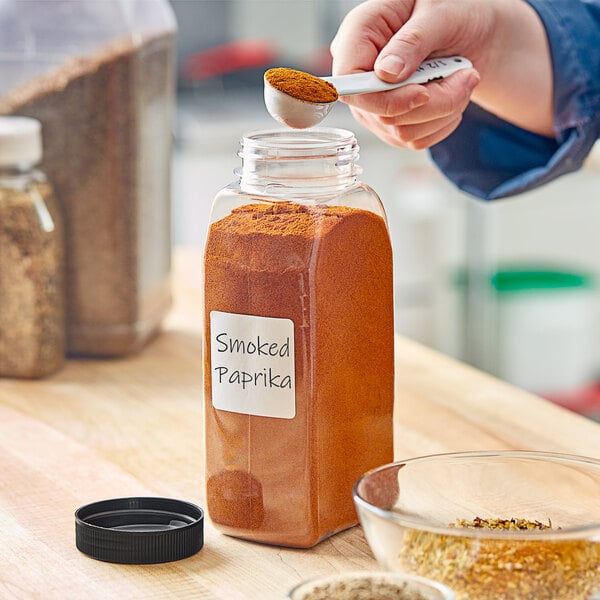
(300,100)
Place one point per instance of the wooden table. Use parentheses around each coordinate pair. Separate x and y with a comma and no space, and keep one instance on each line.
(130,427)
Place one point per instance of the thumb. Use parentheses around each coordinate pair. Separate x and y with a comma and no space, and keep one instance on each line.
(417,39)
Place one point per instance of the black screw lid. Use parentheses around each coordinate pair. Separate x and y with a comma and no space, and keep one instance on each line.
(139,530)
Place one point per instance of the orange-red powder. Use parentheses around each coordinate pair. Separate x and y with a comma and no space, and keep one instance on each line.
(301,85)
(328,269)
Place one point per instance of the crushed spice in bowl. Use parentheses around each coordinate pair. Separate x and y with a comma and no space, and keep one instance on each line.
(367,585)
(491,526)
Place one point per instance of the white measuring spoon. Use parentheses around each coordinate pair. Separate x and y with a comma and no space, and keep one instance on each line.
(300,114)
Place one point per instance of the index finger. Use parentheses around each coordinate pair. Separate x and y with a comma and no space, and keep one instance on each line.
(391,102)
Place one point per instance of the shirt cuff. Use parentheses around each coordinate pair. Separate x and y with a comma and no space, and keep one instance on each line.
(490,158)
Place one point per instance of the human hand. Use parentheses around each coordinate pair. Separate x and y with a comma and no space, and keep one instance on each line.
(393,37)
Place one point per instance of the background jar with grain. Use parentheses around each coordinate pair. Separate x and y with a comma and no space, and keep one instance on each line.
(298,352)
(32,318)
(100,76)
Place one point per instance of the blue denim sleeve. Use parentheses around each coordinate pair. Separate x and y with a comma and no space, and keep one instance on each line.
(490,158)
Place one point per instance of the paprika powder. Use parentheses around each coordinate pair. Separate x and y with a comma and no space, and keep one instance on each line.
(301,85)
(298,353)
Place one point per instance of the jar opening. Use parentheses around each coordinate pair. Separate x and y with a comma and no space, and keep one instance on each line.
(307,142)
(293,163)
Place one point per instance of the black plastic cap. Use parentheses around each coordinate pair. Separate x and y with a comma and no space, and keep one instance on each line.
(139,531)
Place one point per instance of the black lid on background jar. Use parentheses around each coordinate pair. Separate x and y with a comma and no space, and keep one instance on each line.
(139,530)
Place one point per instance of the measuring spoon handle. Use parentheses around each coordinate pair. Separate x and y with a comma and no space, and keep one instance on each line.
(428,70)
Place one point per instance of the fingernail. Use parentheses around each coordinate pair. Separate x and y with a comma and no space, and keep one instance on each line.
(420,99)
(391,64)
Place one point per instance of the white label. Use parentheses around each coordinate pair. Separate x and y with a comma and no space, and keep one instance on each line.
(252,362)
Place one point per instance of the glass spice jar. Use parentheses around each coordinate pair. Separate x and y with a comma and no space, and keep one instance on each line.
(299,338)
(32,319)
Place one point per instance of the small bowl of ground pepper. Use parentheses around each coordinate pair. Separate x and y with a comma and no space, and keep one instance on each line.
(489,525)
(370,585)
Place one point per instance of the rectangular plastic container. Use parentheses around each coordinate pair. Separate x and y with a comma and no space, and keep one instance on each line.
(100,76)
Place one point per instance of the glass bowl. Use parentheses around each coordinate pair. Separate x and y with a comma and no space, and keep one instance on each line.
(374,585)
(490,525)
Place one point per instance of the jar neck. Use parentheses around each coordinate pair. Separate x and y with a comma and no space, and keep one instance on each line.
(298,164)
(18,177)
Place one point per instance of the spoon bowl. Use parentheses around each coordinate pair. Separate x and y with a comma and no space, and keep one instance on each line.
(293,112)
(301,114)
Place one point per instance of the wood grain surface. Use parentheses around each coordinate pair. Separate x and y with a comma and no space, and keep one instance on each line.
(133,426)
